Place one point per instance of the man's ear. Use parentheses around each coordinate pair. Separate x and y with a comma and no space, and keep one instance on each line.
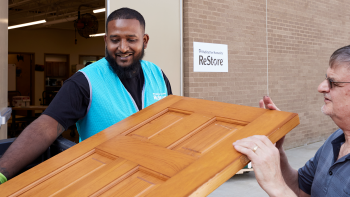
(105,38)
(145,40)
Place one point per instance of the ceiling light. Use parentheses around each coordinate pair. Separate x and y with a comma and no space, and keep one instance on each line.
(99,10)
(95,35)
(27,24)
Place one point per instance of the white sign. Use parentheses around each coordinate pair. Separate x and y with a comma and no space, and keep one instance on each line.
(209,57)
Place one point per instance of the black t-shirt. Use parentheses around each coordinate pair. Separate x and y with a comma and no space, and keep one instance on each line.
(71,102)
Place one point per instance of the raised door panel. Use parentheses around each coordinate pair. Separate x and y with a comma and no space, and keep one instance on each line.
(71,174)
(176,147)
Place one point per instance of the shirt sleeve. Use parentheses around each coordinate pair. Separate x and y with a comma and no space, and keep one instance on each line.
(167,83)
(71,102)
(306,174)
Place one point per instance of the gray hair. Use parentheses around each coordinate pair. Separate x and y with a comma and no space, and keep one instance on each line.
(341,55)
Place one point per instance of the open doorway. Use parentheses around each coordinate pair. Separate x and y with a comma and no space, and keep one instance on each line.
(58,42)
(21,75)
(62,33)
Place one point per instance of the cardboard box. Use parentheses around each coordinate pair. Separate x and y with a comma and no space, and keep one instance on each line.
(21,101)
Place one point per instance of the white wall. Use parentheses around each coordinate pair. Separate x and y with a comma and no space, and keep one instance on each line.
(3,62)
(52,41)
(163,25)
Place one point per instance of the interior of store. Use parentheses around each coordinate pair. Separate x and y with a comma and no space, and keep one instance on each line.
(42,56)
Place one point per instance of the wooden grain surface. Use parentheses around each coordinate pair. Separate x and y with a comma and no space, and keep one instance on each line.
(41,170)
(176,147)
(146,154)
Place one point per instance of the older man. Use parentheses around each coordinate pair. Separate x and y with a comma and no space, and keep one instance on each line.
(327,173)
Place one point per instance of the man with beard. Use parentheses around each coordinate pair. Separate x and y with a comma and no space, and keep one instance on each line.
(99,95)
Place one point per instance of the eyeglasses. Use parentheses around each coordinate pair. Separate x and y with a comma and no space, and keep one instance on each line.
(331,82)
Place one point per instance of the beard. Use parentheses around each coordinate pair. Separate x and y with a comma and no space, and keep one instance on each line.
(128,71)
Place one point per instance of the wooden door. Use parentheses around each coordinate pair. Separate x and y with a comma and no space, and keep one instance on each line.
(55,68)
(176,147)
(48,69)
(62,70)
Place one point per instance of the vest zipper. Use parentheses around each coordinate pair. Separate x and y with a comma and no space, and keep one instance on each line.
(132,99)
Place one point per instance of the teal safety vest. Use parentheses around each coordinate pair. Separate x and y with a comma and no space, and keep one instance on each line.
(110,102)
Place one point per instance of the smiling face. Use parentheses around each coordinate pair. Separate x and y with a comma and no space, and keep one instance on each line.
(337,99)
(125,41)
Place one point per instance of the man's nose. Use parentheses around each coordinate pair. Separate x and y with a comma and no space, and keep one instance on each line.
(123,47)
(323,87)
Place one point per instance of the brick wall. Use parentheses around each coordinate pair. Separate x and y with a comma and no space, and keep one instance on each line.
(301,34)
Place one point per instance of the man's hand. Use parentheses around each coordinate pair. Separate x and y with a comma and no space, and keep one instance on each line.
(32,142)
(270,163)
(265,158)
(266,163)
(267,103)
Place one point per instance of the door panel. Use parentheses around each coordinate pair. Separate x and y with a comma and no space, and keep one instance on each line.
(157,126)
(175,147)
(102,179)
(206,138)
(70,175)
(177,129)
(140,183)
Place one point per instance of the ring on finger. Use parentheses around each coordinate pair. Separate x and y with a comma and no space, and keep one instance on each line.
(255,148)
